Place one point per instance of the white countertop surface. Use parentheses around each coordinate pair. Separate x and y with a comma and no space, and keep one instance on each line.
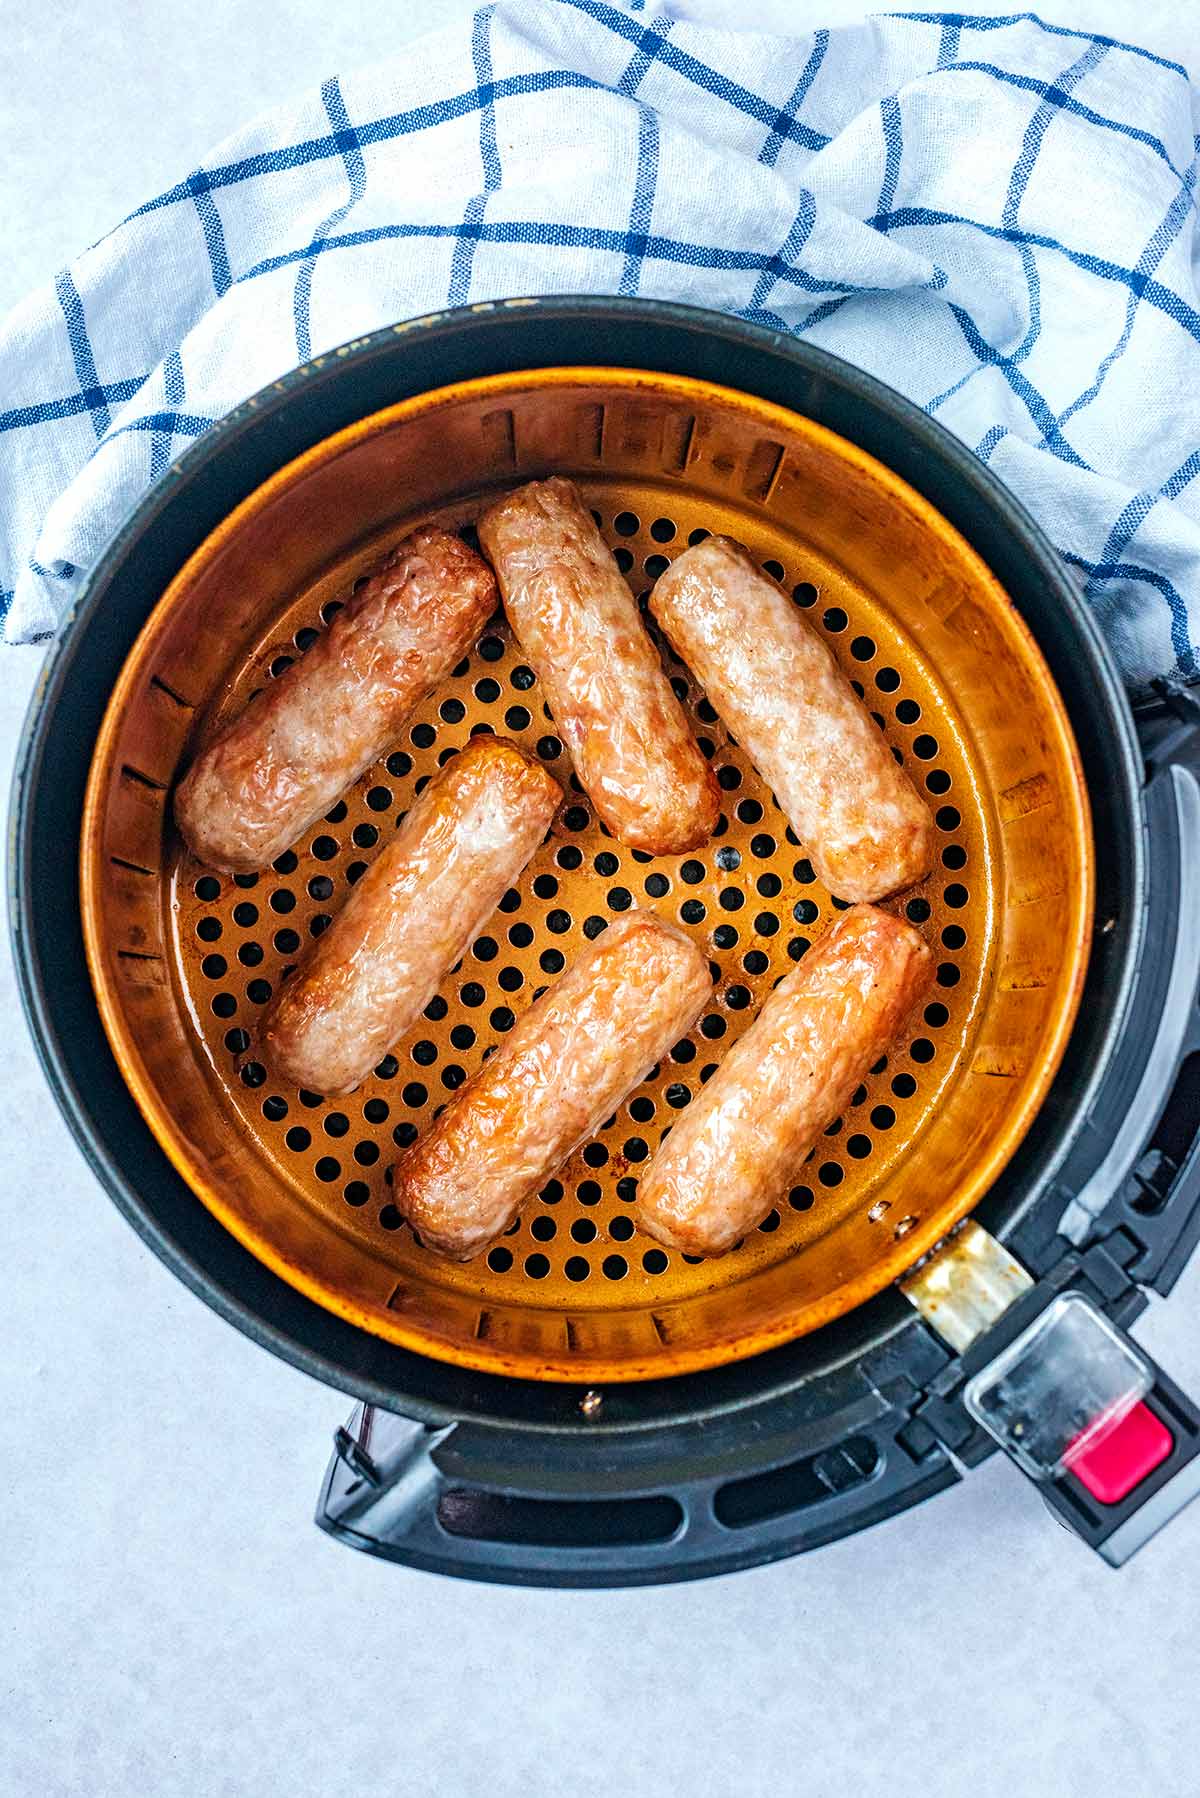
(170,1620)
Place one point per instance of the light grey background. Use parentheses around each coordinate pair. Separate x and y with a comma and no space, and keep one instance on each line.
(170,1622)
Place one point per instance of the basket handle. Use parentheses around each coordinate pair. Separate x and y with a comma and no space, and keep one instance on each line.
(447,1500)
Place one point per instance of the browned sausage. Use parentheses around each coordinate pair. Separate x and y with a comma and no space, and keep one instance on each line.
(740,1144)
(569,1063)
(280,765)
(778,688)
(612,702)
(411,916)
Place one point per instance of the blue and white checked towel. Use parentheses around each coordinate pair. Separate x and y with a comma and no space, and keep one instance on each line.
(995,215)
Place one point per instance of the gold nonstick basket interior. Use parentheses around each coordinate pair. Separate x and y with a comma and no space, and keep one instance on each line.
(184,960)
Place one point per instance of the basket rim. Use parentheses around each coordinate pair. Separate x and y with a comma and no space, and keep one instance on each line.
(280,1320)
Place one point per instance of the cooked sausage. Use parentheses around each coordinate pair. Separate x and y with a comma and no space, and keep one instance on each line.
(411,916)
(778,688)
(578,624)
(572,1059)
(296,748)
(739,1145)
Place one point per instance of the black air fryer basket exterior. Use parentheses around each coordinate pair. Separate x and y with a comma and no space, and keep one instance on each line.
(816,1377)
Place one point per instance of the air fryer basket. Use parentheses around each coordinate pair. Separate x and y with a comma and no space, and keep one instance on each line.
(822,1384)
(184,960)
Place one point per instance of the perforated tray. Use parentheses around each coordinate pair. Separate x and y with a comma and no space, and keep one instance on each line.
(186,959)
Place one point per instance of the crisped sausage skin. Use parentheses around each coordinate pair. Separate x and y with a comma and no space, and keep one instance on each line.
(411,916)
(739,1146)
(308,736)
(570,1062)
(782,695)
(579,626)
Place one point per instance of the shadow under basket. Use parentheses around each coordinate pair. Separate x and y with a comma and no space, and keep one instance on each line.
(184,960)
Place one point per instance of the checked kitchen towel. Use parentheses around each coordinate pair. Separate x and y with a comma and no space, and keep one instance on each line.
(995,215)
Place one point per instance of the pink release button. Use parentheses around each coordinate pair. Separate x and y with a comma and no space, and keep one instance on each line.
(1112,1467)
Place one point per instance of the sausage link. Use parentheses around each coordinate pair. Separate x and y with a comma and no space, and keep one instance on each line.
(739,1145)
(780,691)
(572,1059)
(411,916)
(296,748)
(579,626)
